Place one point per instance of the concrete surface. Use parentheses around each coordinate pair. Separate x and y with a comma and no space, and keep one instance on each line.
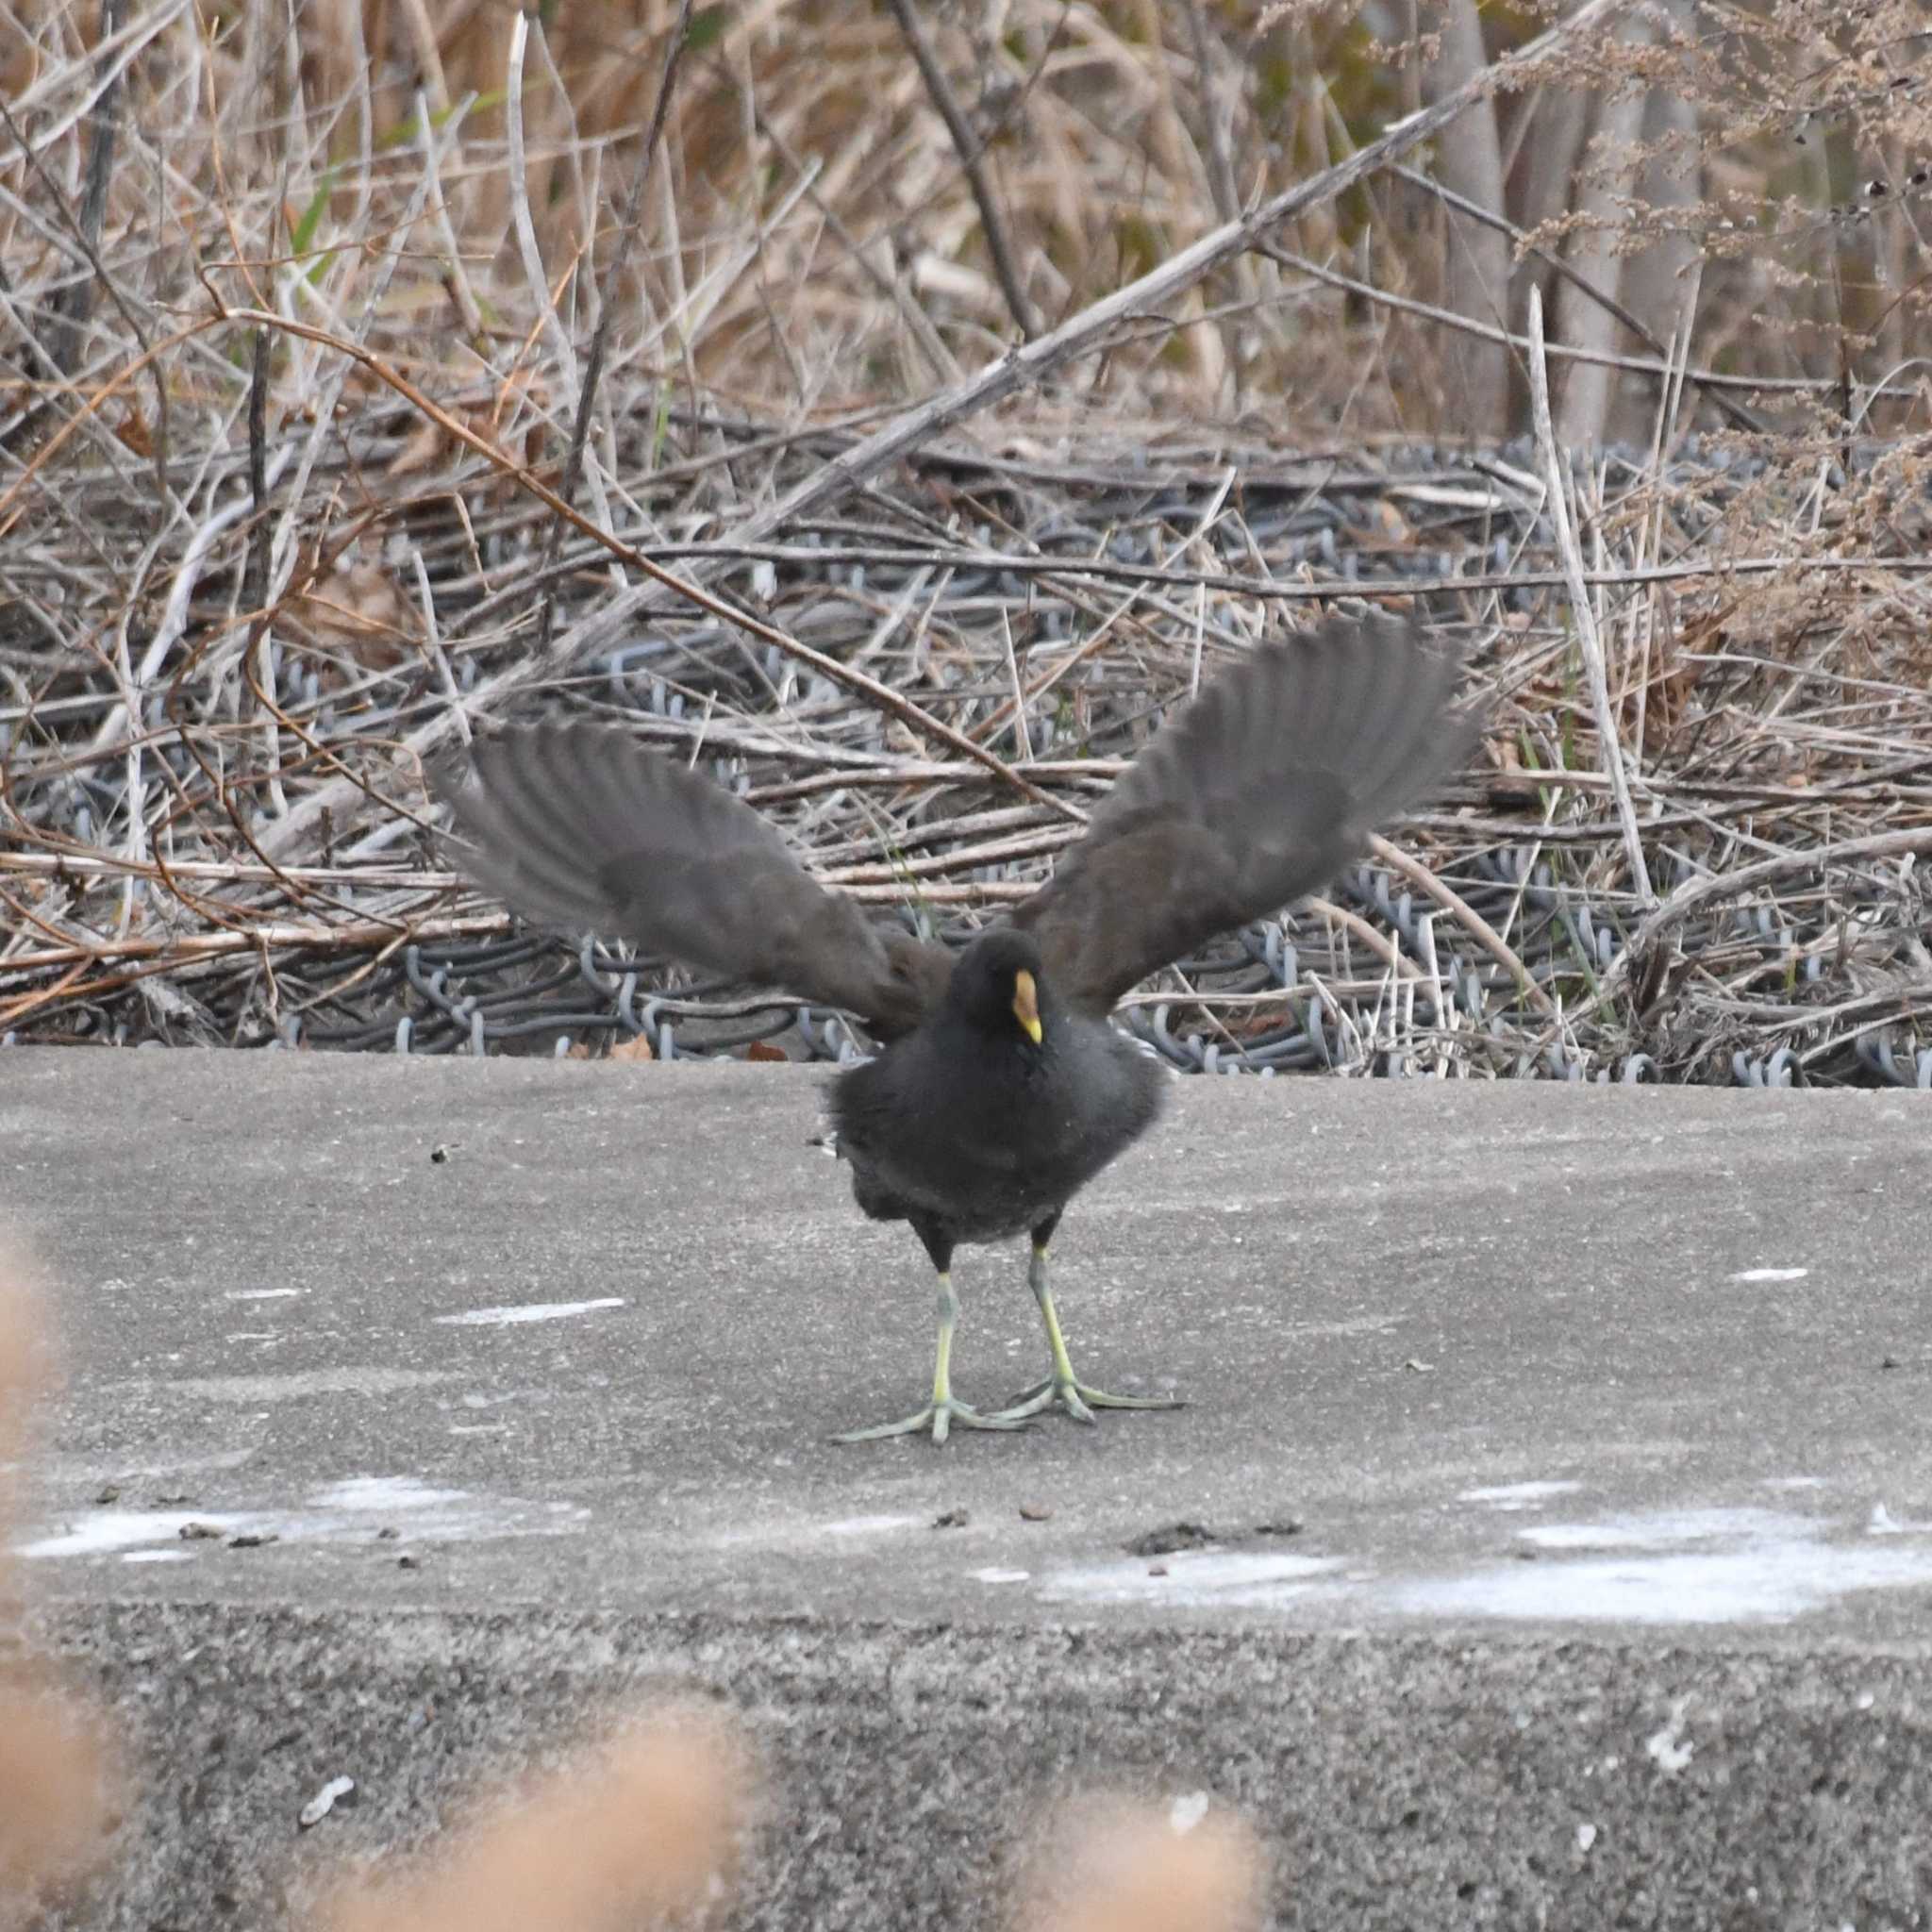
(1562,1452)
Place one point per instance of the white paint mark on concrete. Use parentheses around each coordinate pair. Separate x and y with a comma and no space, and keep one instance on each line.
(254,1390)
(533,1312)
(1690,1567)
(261,1294)
(1794,1482)
(1586,1838)
(1000,1576)
(356,1509)
(158,1557)
(1235,1580)
(873,1525)
(1355,1325)
(108,1532)
(1772,1274)
(351,1511)
(1883,1523)
(1658,1529)
(385,1492)
(1528,1496)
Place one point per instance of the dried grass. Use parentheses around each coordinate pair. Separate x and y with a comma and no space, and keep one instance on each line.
(280,490)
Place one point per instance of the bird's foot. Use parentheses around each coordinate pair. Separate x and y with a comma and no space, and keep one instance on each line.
(937,1416)
(1077,1398)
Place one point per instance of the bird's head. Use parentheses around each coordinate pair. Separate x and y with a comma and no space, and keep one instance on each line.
(997,988)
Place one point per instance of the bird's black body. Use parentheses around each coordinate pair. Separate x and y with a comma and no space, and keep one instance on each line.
(971,1132)
(1001,1088)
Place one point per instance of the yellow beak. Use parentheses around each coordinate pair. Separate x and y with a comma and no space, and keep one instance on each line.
(1026,1006)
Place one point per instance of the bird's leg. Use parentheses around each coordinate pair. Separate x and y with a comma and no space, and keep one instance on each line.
(1063,1387)
(944,1409)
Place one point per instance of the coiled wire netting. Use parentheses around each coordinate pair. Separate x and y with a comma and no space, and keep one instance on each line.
(223,836)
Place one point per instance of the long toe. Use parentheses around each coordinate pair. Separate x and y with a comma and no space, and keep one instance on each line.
(1077,1399)
(940,1417)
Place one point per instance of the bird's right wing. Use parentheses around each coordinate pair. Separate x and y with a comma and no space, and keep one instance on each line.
(579,826)
(1255,794)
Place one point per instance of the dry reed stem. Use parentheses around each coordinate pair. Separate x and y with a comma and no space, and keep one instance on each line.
(1465,915)
(56,1774)
(57,1771)
(1115,1866)
(644,1826)
(1582,611)
(1910,842)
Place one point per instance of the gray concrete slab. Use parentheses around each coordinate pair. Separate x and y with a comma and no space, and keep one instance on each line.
(1563,1454)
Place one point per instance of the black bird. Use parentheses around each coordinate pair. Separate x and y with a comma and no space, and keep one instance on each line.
(1001,1088)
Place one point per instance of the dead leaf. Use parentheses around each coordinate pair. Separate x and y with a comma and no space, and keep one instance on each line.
(421,449)
(134,433)
(359,609)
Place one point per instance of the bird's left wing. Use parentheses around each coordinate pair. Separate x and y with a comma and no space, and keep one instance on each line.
(579,826)
(1252,794)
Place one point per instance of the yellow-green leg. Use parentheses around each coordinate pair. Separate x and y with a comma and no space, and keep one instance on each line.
(944,1409)
(1062,1387)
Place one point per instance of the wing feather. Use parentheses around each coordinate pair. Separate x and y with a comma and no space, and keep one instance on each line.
(580,827)
(1252,795)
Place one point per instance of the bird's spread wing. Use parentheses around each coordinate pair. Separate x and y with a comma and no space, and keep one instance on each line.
(1252,795)
(579,826)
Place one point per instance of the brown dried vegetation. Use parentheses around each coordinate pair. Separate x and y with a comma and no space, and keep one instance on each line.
(304,322)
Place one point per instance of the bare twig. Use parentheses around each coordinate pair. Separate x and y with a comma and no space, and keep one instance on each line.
(629,226)
(1465,915)
(1589,640)
(886,698)
(1697,893)
(1715,386)
(1025,367)
(973,159)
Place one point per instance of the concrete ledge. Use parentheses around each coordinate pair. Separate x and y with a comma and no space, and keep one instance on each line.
(1399,1781)
(1561,1458)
